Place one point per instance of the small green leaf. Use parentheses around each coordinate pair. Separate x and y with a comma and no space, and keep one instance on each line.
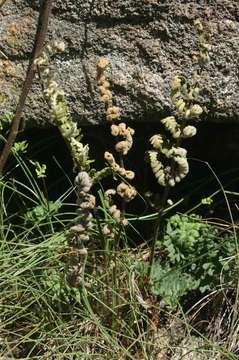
(39,168)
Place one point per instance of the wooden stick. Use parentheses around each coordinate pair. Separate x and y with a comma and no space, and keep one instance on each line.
(41,32)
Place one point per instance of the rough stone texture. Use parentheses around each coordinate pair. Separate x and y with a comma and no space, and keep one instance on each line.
(147,43)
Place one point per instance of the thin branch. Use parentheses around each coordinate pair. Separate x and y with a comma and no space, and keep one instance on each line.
(42,27)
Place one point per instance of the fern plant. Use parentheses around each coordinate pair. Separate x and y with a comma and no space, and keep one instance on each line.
(192,256)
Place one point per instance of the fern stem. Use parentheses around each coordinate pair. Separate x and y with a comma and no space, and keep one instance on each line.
(115,279)
(157,230)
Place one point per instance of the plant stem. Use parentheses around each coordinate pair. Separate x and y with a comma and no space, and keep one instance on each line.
(157,230)
(114,279)
(102,237)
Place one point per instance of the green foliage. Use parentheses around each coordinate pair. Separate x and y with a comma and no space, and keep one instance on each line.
(20,147)
(52,276)
(39,168)
(42,212)
(5,121)
(171,283)
(207,201)
(192,258)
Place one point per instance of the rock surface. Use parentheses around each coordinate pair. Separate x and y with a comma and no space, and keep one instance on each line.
(147,43)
